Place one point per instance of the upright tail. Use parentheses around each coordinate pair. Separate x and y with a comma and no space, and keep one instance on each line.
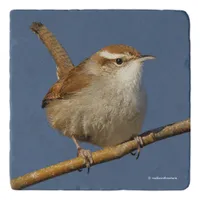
(63,62)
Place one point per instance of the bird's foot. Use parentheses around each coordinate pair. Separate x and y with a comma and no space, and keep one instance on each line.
(140,144)
(87,156)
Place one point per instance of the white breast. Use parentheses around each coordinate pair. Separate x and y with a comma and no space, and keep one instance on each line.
(117,111)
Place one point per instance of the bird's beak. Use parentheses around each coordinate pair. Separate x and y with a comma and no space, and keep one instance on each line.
(145,57)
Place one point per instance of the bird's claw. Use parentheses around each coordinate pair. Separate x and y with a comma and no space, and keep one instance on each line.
(87,156)
(140,144)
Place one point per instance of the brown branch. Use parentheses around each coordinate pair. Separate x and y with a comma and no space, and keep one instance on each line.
(55,48)
(100,156)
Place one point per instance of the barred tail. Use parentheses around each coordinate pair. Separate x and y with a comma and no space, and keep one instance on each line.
(63,62)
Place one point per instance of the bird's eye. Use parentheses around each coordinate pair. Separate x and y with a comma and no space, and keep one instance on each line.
(119,61)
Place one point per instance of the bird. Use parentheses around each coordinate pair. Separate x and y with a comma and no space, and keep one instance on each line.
(102,101)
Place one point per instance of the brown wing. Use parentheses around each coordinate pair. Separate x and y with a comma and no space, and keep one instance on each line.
(75,81)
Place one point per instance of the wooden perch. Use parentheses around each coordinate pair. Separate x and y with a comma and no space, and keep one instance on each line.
(58,53)
(100,156)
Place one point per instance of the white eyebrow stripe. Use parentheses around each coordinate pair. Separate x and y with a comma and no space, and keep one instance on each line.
(108,55)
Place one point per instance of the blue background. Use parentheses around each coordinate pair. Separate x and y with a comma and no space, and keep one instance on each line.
(34,144)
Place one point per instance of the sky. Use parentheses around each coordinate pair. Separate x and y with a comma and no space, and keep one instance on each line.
(34,144)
